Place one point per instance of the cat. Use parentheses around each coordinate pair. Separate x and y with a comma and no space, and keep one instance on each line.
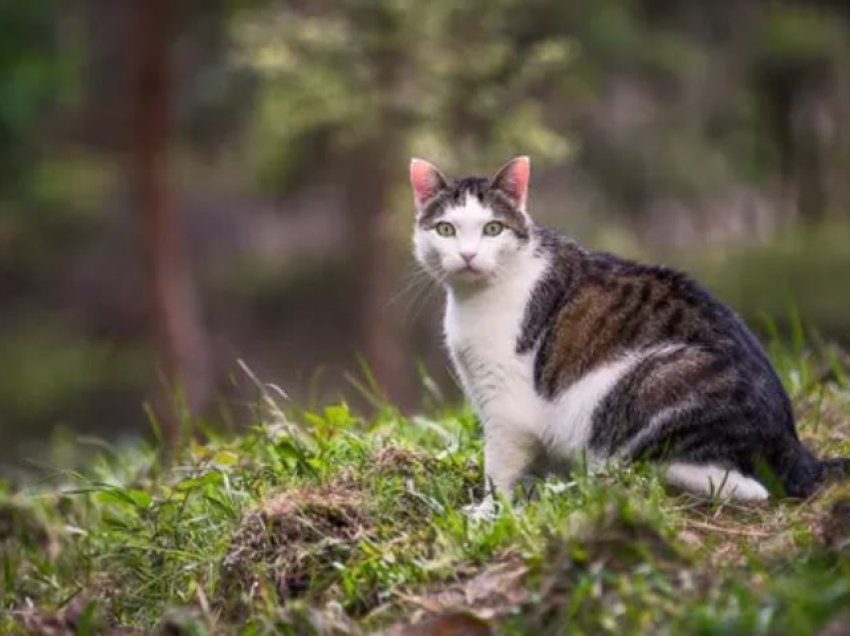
(572,356)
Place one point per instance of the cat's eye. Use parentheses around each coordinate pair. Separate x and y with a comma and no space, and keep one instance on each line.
(493,228)
(445,229)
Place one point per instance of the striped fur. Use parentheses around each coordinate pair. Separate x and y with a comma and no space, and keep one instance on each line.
(569,354)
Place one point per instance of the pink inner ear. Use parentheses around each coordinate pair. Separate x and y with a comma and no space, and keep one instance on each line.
(516,177)
(521,172)
(513,179)
(425,179)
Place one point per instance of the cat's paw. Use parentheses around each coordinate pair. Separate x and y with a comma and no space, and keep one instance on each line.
(485,510)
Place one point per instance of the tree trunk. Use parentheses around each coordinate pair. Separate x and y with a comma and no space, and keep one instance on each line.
(373,167)
(381,334)
(812,121)
(176,329)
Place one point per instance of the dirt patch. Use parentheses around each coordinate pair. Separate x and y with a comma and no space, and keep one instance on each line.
(489,593)
(80,616)
(447,624)
(834,526)
(402,461)
(291,543)
(837,626)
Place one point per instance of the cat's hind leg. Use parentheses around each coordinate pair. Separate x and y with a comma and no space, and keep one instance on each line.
(714,481)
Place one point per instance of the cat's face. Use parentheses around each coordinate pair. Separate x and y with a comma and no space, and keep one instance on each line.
(469,231)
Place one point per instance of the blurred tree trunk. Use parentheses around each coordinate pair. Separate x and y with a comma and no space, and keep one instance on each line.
(369,192)
(812,123)
(795,102)
(374,167)
(176,329)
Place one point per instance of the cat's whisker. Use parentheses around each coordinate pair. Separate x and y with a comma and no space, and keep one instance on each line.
(419,302)
(417,288)
(412,282)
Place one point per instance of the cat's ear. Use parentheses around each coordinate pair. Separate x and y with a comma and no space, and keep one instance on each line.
(426,180)
(513,178)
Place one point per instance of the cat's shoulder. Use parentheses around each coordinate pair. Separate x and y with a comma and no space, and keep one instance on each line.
(598,264)
(607,273)
(595,266)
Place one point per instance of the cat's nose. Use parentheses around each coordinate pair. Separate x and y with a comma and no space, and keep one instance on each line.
(467,256)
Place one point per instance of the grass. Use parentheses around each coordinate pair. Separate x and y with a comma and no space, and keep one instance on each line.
(325,523)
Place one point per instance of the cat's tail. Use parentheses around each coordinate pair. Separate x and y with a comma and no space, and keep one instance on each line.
(835,468)
(805,473)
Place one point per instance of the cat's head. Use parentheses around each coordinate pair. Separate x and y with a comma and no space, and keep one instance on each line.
(471,230)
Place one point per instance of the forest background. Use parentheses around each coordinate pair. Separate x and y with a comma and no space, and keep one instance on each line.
(184,185)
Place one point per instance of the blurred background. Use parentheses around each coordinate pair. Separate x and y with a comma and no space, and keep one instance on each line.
(186,184)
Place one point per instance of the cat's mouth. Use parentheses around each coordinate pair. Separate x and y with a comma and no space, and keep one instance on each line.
(469,273)
(465,273)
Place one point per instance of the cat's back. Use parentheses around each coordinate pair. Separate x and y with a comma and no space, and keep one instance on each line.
(593,308)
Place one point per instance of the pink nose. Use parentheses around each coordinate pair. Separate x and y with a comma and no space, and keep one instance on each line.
(467,256)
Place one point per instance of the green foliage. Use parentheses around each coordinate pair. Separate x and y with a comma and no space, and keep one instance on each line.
(319,519)
(800,37)
(333,80)
(34,76)
(56,371)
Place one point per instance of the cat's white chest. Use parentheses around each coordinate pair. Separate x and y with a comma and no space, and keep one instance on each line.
(481,334)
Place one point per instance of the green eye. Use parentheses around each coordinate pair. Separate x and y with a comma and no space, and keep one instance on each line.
(493,228)
(445,229)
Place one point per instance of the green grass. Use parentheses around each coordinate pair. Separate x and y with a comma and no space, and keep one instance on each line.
(324,523)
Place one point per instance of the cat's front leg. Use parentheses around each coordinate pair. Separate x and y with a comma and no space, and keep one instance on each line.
(509,452)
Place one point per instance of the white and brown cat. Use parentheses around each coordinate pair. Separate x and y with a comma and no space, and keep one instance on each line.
(570,355)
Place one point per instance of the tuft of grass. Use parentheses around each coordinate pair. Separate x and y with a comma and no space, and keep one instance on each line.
(322,522)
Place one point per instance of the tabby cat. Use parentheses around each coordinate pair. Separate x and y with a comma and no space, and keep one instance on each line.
(571,356)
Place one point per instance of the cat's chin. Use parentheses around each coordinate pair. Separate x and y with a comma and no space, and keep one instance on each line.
(469,278)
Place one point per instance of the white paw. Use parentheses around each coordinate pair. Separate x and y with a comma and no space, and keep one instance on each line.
(485,510)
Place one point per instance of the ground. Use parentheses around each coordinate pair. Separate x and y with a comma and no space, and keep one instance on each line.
(325,523)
